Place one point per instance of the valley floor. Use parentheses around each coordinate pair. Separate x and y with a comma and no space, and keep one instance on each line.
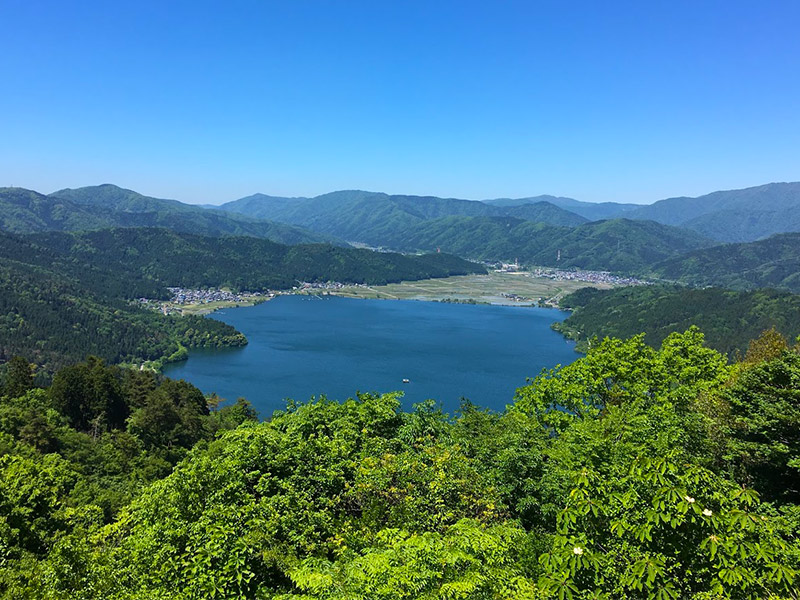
(506,288)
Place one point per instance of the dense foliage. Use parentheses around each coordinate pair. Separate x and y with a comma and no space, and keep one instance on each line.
(54,320)
(615,245)
(75,454)
(774,262)
(729,319)
(532,233)
(241,263)
(632,473)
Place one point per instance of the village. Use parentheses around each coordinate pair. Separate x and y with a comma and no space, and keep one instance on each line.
(201,300)
(588,276)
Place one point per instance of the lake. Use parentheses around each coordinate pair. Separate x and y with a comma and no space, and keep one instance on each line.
(304,346)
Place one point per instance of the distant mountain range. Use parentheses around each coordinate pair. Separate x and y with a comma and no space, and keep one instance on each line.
(614,245)
(727,216)
(369,216)
(592,211)
(731,216)
(544,230)
(103,206)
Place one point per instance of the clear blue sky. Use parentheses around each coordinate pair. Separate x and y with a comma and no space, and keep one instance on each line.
(210,101)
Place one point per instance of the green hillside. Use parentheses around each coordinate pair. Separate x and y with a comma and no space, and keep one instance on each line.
(731,216)
(370,217)
(54,320)
(744,225)
(728,319)
(242,263)
(593,211)
(727,216)
(773,262)
(532,232)
(616,245)
(25,211)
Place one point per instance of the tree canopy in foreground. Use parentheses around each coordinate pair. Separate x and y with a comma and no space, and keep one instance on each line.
(632,473)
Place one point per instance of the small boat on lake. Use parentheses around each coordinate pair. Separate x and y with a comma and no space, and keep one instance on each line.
(406,380)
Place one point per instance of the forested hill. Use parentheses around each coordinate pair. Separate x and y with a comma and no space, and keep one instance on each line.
(370,216)
(728,319)
(593,211)
(615,245)
(66,295)
(774,262)
(242,263)
(532,232)
(26,211)
(733,215)
(54,319)
(725,216)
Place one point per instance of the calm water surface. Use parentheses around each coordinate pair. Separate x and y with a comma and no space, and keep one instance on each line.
(302,346)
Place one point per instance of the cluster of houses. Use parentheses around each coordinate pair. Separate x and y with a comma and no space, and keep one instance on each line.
(187,296)
(590,276)
(327,285)
(204,296)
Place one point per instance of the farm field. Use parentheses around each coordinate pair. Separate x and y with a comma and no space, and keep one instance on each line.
(494,288)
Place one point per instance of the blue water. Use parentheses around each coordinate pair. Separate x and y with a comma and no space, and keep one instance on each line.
(303,346)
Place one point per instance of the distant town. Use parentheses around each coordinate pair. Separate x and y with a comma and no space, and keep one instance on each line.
(589,276)
(567,275)
(182,297)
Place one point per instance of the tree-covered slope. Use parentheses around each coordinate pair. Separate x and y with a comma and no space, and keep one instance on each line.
(55,319)
(241,262)
(731,216)
(744,225)
(26,211)
(616,245)
(593,211)
(773,262)
(126,208)
(728,319)
(370,217)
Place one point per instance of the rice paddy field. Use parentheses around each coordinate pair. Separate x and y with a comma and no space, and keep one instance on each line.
(494,288)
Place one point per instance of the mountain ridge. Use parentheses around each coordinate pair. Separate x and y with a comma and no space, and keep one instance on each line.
(772,262)
(738,215)
(100,207)
(344,213)
(725,213)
